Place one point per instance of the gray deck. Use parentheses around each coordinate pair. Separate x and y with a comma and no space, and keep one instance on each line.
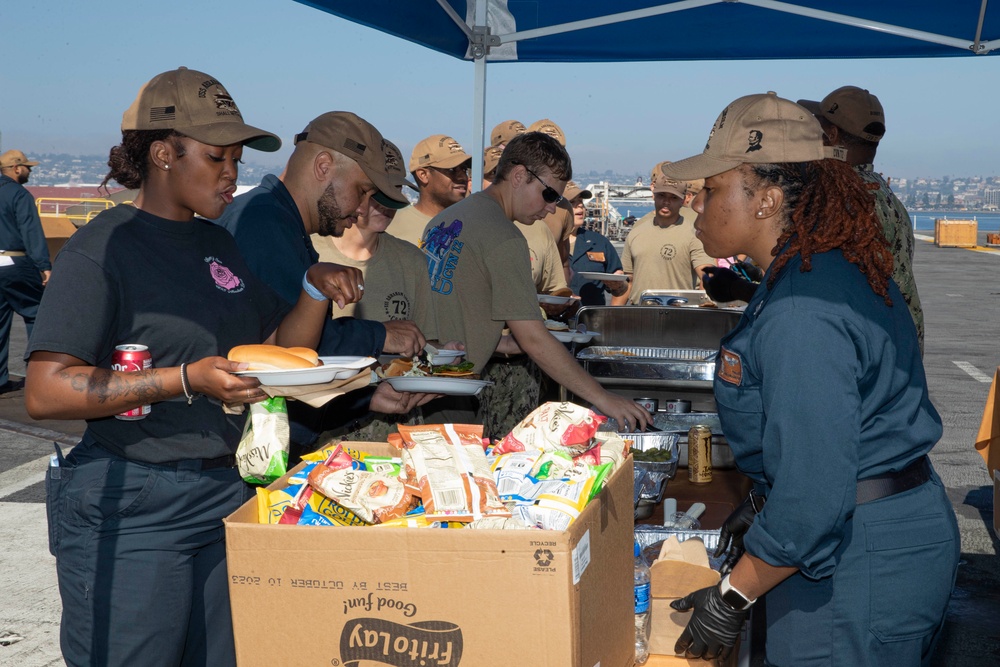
(960,292)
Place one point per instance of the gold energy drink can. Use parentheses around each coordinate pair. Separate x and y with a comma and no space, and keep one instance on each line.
(700,454)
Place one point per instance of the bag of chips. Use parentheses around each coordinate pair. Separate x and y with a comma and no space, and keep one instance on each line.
(554,426)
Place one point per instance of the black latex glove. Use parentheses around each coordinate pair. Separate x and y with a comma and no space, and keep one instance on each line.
(726,285)
(749,270)
(714,626)
(733,530)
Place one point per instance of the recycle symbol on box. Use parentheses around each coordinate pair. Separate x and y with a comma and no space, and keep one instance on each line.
(543,557)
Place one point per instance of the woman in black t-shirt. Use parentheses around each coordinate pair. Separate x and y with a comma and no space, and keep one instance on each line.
(135,510)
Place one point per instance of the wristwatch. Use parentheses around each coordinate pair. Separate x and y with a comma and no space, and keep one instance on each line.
(733,597)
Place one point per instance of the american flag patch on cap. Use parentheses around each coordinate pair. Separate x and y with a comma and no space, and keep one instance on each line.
(352,145)
(162,113)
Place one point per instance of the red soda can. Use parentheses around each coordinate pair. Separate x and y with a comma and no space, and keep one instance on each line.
(129,359)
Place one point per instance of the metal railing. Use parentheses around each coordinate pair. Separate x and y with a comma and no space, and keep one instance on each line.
(79,210)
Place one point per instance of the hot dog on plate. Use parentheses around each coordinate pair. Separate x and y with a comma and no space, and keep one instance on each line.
(274,357)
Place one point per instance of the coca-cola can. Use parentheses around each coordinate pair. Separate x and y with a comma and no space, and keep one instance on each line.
(132,358)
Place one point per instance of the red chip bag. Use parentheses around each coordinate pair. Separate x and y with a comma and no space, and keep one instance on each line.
(554,427)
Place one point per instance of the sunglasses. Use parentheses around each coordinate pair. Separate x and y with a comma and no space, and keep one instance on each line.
(549,194)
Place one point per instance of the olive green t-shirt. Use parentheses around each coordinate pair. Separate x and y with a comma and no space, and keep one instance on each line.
(408,224)
(663,257)
(480,275)
(396,283)
(546,267)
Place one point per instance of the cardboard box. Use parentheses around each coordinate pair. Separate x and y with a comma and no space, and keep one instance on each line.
(955,233)
(306,595)
(996,501)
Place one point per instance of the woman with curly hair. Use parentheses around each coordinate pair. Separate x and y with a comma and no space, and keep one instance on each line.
(135,509)
(848,535)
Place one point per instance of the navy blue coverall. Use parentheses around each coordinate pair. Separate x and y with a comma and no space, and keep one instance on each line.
(821,384)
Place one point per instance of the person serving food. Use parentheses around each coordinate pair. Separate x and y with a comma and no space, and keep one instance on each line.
(135,509)
(822,395)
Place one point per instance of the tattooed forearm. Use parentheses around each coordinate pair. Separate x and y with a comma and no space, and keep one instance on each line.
(106,385)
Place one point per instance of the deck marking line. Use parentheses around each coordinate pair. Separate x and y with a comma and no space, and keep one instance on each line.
(23,476)
(974,372)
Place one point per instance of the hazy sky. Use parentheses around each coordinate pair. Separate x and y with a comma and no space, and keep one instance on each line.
(71,68)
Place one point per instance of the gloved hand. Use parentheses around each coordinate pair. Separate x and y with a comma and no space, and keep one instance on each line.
(749,270)
(733,530)
(726,285)
(714,626)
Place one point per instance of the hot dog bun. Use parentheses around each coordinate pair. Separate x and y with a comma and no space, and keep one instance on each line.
(269,358)
(309,355)
(397,367)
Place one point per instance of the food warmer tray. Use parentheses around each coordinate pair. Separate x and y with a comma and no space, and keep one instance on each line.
(649,366)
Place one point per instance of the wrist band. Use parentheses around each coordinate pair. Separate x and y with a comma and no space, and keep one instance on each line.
(185,387)
(311,289)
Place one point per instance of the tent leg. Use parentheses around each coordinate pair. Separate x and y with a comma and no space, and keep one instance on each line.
(478,125)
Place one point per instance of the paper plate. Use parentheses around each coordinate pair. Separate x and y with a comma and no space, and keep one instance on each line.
(333,368)
(445,357)
(554,300)
(597,275)
(439,385)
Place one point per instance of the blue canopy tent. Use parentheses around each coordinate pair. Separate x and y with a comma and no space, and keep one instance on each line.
(498,31)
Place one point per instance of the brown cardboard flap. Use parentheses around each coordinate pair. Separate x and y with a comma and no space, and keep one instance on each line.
(675,579)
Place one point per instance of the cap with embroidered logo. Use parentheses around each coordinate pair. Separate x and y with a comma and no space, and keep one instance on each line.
(852,109)
(573,191)
(394,169)
(503,132)
(491,158)
(756,129)
(550,128)
(660,182)
(438,150)
(196,105)
(15,158)
(353,136)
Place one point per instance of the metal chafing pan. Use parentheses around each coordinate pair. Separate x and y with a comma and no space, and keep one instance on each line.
(649,366)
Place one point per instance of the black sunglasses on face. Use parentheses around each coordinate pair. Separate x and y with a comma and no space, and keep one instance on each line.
(549,194)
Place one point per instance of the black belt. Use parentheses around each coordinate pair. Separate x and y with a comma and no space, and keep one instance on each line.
(891,483)
(227,461)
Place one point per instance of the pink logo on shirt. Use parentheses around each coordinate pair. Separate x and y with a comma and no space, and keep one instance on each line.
(223,277)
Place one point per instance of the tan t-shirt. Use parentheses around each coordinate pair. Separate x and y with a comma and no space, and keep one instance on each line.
(396,283)
(408,224)
(561,223)
(546,267)
(480,275)
(662,258)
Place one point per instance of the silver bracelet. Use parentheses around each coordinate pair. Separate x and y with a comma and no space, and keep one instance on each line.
(188,394)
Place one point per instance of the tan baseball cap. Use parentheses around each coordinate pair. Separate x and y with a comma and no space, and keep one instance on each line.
(573,191)
(353,136)
(852,109)
(491,158)
(196,105)
(438,150)
(550,128)
(394,168)
(660,182)
(756,129)
(15,158)
(505,131)
(695,186)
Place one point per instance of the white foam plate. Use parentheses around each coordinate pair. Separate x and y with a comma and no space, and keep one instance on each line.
(597,275)
(445,357)
(574,336)
(333,368)
(555,300)
(439,385)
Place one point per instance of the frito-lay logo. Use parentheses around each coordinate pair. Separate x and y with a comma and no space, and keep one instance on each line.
(543,557)
(421,644)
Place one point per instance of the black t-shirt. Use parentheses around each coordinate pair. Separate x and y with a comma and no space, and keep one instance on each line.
(180,288)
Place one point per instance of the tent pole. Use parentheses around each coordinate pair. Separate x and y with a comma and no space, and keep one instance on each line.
(480,50)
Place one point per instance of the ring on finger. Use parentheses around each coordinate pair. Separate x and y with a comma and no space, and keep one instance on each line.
(361,287)
(248,392)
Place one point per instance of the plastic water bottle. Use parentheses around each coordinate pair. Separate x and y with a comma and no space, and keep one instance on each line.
(643,603)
